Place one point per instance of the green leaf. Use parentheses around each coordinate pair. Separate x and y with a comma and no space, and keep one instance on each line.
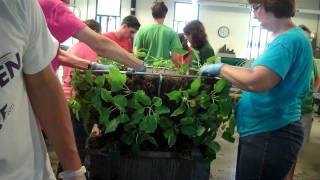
(170,135)
(106,95)
(211,60)
(195,86)
(203,99)
(96,101)
(112,126)
(104,116)
(165,124)
(151,139)
(120,101)
(180,51)
(134,104)
(141,97)
(156,101)
(200,130)
(218,86)
(225,108)
(175,96)
(89,77)
(128,139)
(149,124)
(123,118)
(136,117)
(214,146)
(180,110)
(116,80)
(189,131)
(162,110)
(186,121)
(100,81)
(228,136)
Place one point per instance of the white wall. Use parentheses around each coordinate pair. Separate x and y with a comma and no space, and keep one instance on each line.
(237,19)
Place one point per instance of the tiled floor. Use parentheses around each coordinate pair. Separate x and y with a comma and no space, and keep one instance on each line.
(308,167)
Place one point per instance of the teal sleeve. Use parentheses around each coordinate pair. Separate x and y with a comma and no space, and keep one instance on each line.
(277,58)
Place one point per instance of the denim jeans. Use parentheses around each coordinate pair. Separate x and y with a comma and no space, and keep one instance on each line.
(269,155)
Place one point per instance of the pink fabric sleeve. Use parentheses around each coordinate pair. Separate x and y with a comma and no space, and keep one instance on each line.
(61,22)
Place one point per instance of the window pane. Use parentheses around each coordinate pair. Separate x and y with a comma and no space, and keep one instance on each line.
(109,7)
(182,8)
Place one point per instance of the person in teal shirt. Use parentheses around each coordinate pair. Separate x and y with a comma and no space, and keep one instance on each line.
(269,111)
(158,39)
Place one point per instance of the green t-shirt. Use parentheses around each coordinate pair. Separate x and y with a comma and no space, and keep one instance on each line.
(159,39)
(205,52)
(307,102)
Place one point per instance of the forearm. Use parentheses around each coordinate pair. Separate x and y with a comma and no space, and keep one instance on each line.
(107,48)
(254,80)
(67,59)
(46,97)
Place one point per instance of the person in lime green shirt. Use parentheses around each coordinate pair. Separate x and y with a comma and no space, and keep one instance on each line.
(158,39)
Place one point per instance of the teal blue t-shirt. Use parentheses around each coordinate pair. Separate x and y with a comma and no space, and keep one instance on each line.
(290,57)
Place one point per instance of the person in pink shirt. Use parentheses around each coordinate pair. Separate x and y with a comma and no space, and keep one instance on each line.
(63,24)
(83,51)
(129,26)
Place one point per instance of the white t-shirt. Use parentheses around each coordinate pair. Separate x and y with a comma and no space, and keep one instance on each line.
(26,46)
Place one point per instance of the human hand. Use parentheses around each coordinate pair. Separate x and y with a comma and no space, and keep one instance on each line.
(98,66)
(74,175)
(83,177)
(211,69)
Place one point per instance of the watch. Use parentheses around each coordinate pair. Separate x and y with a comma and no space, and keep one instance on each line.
(223,31)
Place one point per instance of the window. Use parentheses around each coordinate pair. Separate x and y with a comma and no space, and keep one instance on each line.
(181,17)
(258,38)
(108,14)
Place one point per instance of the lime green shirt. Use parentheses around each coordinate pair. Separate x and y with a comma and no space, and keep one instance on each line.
(307,102)
(159,39)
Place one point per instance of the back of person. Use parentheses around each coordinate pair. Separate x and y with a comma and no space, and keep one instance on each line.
(159,39)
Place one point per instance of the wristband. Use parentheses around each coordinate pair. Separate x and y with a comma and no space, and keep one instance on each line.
(69,174)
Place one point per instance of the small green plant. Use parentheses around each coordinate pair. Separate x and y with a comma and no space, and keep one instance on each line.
(180,120)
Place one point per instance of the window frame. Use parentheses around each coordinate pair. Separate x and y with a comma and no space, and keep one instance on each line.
(98,18)
(176,28)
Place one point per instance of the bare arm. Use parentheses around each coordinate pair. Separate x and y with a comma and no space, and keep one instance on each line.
(316,84)
(107,48)
(255,80)
(46,97)
(70,60)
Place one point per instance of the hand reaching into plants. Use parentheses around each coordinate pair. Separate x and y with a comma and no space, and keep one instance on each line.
(211,69)
(98,66)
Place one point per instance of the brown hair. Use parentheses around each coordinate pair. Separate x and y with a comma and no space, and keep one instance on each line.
(94,25)
(159,10)
(280,8)
(198,34)
(131,21)
(305,28)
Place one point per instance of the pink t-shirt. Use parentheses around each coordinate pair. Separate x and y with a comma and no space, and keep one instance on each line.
(61,22)
(80,50)
(124,43)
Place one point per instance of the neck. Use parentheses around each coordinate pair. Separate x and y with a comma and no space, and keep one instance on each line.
(281,26)
(118,34)
(159,21)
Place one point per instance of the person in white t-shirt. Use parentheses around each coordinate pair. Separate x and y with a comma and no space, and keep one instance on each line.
(26,79)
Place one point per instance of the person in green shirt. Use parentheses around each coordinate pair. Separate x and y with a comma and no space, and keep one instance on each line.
(307,103)
(158,39)
(196,35)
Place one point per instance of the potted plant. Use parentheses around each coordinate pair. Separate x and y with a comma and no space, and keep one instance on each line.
(154,126)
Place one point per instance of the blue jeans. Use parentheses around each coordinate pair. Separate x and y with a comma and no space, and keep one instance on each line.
(269,155)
